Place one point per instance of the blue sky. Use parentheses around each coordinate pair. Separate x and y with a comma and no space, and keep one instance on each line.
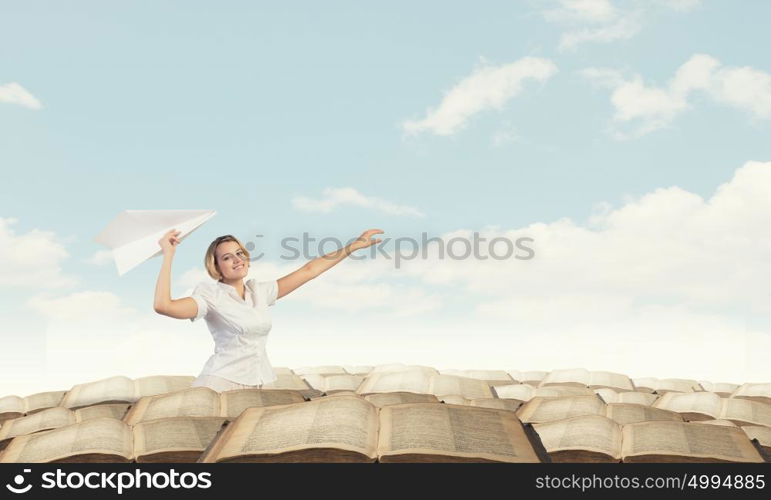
(242,107)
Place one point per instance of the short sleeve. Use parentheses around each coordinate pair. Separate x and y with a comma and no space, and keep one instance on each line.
(269,290)
(200,295)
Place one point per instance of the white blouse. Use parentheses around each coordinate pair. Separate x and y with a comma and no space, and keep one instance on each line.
(240,329)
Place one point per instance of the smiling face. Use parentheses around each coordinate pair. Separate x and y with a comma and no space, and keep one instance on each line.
(231,260)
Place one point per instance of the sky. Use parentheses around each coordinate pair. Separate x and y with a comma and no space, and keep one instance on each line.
(629,140)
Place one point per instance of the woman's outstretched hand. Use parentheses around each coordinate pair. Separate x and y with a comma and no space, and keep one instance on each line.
(169,241)
(364,240)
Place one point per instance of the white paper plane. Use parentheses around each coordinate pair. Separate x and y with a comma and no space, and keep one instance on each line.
(133,235)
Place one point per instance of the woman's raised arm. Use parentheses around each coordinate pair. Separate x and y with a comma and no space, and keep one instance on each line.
(184,308)
(315,267)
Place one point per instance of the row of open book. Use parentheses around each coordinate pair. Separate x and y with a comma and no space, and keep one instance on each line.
(469,384)
(256,425)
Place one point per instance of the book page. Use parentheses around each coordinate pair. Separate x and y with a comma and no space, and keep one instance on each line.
(234,402)
(115,410)
(521,392)
(175,434)
(100,435)
(456,400)
(288,381)
(759,432)
(540,409)
(110,389)
(587,432)
(489,376)
(417,381)
(607,395)
(453,430)
(11,404)
(469,388)
(43,400)
(50,418)
(397,398)
(746,410)
(193,402)
(705,403)
(532,376)
(610,379)
(626,413)
(634,397)
(500,404)
(161,384)
(362,370)
(647,383)
(677,385)
(573,376)
(762,392)
(559,391)
(688,440)
(342,422)
(342,382)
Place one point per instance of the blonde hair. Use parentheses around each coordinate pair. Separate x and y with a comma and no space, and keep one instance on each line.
(210,260)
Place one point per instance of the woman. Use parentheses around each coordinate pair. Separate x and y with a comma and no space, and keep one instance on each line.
(236,312)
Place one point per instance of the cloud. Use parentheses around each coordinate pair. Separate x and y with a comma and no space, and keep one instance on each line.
(86,306)
(651,107)
(604,21)
(100,258)
(338,197)
(13,93)
(488,87)
(33,259)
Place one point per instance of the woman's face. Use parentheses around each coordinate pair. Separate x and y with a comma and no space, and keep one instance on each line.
(231,260)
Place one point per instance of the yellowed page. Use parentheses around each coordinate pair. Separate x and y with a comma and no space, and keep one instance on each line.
(175,434)
(678,385)
(161,384)
(234,402)
(746,411)
(362,370)
(587,432)
(100,435)
(608,395)
(540,409)
(43,400)
(534,376)
(634,397)
(397,398)
(610,379)
(113,389)
(115,410)
(628,413)
(759,432)
(50,418)
(455,431)
(12,404)
(758,391)
(455,400)
(500,404)
(521,392)
(417,381)
(559,391)
(469,388)
(569,376)
(489,376)
(704,403)
(718,421)
(649,383)
(193,402)
(341,422)
(688,440)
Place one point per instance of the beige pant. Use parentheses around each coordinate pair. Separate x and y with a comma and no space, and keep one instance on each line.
(220,384)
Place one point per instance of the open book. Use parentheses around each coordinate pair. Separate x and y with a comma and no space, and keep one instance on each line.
(424,382)
(175,440)
(653,384)
(585,378)
(755,392)
(15,406)
(541,410)
(347,428)
(532,377)
(205,402)
(121,389)
(333,382)
(722,389)
(708,405)
(526,392)
(58,416)
(595,438)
